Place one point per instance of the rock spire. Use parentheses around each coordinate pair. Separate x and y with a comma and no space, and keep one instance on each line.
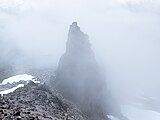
(78,77)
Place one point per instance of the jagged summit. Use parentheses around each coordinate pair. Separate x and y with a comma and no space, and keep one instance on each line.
(74,25)
(77,42)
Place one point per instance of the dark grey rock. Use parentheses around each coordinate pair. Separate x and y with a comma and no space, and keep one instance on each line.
(37,102)
(79,78)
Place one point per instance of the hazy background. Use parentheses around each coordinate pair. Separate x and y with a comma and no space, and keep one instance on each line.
(124,35)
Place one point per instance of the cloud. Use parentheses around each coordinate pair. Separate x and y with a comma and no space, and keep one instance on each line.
(125,38)
(151,6)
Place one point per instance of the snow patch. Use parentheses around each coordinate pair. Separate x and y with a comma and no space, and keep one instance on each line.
(15,79)
(11,90)
(19,78)
(135,113)
(112,117)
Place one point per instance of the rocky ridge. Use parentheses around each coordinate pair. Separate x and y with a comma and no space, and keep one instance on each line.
(37,102)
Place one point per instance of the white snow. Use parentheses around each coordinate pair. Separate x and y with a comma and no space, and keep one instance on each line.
(11,90)
(112,117)
(136,113)
(16,79)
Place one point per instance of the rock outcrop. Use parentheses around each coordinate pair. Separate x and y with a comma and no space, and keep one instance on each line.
(79,78)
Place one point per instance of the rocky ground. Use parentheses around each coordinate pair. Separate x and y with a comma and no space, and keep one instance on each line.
(37,102)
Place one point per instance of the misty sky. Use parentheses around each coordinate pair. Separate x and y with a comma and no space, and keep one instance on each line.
(124,35)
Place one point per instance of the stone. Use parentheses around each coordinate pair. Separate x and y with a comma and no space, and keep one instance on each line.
(78,77)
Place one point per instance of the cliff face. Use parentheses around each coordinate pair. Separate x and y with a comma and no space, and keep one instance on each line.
(78,76)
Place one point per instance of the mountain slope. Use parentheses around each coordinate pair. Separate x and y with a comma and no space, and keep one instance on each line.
(37,102)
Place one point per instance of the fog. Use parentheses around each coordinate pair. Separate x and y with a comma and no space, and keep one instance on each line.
(124,35)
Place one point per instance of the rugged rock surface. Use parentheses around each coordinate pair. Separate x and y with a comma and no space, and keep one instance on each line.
(80,79)
(37,102)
